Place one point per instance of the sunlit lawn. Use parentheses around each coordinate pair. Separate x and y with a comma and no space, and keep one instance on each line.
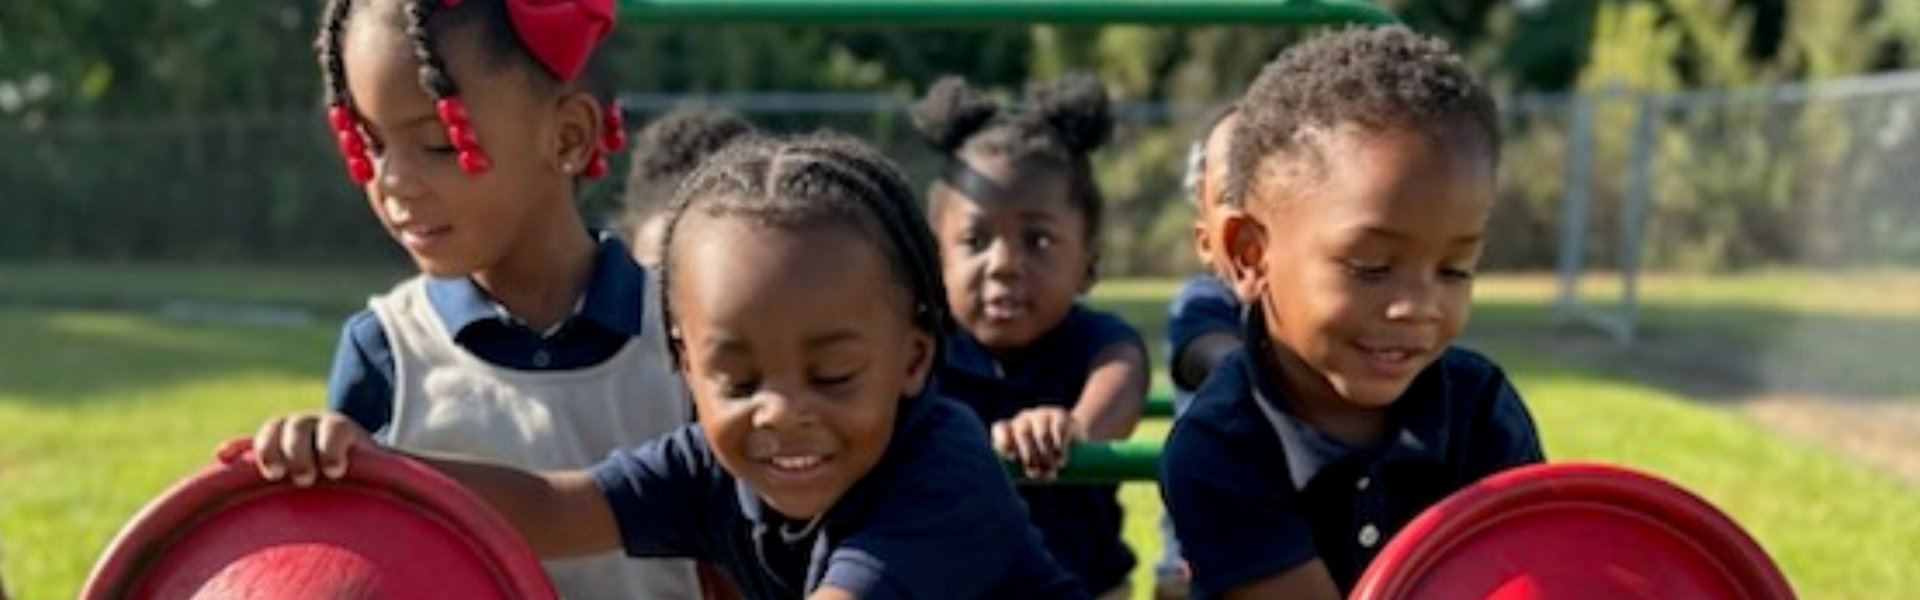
(99,411)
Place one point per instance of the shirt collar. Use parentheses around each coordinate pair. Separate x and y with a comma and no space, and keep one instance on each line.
(613,298)
(1418,419)
(967,355)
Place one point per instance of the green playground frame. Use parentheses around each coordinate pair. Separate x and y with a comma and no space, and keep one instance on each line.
(985,12)
(1088,462)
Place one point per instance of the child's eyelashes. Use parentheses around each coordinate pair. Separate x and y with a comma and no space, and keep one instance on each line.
(1366,271)
(1031,241)
(833,383)
(738,389)
(974,242)
(1374,272)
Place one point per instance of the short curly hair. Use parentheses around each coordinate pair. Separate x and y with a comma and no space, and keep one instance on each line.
(1373,78)
(667,150)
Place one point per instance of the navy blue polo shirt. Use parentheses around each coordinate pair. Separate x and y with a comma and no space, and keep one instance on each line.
(936,517)
(361,385)
(1203,305)
(1254,492)
(1081,523)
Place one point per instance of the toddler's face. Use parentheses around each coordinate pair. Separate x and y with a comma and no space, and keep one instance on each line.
(1365,270)
(1015,256)
(797,346)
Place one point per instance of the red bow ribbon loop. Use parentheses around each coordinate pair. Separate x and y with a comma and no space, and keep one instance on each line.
(560,33)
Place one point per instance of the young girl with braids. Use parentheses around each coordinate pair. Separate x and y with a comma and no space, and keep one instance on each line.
(805,295)
(1017,214)
(524,339)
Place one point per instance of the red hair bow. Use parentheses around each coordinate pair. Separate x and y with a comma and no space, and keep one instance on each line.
(560,33)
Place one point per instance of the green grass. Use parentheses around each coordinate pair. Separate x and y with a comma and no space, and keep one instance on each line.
(330,290)
(101,410)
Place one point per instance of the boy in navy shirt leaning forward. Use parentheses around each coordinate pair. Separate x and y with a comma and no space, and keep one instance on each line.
(806,300)
(1364,161)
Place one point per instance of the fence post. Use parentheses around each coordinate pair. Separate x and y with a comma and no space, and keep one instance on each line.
(1573,210)
(1632,220)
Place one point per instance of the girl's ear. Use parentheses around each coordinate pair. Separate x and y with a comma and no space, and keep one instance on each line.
(1244,241)
(920,353)
(577,132)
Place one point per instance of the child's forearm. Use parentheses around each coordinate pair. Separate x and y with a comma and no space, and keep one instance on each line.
(559,513)
(1195,361)
(1110,402)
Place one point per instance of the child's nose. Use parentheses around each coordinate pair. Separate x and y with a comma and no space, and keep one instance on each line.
(1003,259)
(777,410)
(1419,300)
(397,175)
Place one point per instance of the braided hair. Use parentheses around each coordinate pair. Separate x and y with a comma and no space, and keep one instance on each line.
(817,180)
(425,22)
(1374,78)
(1062,123)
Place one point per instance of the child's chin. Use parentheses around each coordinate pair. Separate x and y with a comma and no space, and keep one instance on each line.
(440,269)
(1374,394)
(794,506)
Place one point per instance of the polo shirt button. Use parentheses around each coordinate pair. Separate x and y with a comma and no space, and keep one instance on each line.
(1369,535)
(541,359)
(1362,484)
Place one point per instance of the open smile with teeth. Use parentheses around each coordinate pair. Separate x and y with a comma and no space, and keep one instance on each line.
(1391,360)
(797,463)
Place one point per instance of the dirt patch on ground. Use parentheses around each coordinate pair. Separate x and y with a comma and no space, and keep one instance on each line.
(1883,433)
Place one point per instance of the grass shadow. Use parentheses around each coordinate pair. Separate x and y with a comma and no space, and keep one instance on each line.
(1727,352)
(65,357)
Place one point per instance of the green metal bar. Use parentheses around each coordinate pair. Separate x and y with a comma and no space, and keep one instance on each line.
(1157,406)
(1103,462)
(984,12)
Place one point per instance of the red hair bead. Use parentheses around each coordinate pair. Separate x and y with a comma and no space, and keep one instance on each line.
(452,111)
(616,136)
(474,162)
(596,167)
(341,118)
(360,169)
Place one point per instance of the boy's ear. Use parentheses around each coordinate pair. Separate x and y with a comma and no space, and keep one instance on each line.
(920,352)
(1092,275)
(1243,240)
(578,132)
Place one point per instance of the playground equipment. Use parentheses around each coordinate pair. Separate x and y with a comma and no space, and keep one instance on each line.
(983,12)
(395,528)
(1572,532)
(392,528)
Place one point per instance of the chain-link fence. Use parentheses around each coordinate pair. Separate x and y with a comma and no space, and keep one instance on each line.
(1610,182)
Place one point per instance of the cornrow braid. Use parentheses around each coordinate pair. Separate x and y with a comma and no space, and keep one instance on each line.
(333,72)
(816,180)
(422,21)
(446,96)
(340,112)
